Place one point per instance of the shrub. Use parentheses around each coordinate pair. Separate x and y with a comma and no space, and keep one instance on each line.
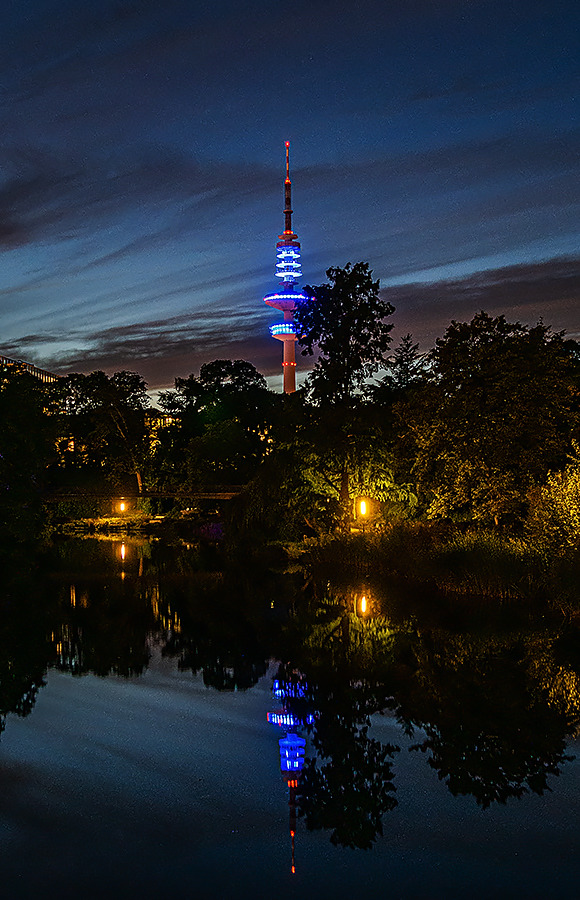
(554,516)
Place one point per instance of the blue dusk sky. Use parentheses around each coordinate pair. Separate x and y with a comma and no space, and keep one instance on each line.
(142,165)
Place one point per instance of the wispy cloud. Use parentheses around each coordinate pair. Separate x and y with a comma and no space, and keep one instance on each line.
(45,196)
(548,290)
(140,182)
(159,349)
(164,348)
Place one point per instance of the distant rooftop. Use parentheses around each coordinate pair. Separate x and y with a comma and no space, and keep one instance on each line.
(41,374)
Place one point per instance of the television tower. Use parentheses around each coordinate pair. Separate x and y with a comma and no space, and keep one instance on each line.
(288,270)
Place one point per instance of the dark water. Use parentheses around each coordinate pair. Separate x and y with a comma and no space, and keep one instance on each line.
(137,759)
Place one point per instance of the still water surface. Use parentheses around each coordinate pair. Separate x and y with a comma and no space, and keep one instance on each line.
(145,763)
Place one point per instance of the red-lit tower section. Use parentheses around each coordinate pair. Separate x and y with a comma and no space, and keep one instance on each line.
(288,270)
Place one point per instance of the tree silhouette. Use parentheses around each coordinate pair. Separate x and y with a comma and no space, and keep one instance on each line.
(344,320)
(491,731)
(496,414)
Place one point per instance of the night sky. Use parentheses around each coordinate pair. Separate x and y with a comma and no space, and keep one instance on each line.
(142,165)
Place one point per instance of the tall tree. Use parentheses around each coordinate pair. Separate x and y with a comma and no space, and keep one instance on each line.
(224,389)
(26,449)
(405,368)
(344,320)
(497,413)
(222,421)
(105,417)
(406,365)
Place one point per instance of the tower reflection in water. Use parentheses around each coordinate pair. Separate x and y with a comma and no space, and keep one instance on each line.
(292,745)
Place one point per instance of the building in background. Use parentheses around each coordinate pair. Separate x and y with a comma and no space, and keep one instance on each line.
(18,365)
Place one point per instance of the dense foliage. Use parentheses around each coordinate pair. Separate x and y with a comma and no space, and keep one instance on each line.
(495,414)
(344,320)
(26,451)
(479,432)
(102,428)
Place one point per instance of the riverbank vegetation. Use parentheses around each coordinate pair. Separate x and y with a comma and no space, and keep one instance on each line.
(457,468)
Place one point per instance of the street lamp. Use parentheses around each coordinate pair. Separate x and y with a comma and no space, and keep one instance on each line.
(363,511)
(362,603)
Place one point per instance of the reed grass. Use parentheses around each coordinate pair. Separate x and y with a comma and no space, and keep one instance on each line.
(454,560)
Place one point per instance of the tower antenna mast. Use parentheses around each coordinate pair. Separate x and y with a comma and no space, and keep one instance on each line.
(287,269)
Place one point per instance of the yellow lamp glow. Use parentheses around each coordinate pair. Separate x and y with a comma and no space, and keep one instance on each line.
(363,604)
(122,507)
(363,507)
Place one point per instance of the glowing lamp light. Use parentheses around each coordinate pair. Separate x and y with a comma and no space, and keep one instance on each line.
(362,603)
(123,551)
(122,507)
(363,509)
(283,328)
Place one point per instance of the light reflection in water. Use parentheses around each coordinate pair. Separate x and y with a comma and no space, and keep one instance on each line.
(357,658)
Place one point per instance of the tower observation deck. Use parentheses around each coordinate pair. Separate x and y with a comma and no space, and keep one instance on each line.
(284,299)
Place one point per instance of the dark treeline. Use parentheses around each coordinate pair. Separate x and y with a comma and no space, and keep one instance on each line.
(479,435)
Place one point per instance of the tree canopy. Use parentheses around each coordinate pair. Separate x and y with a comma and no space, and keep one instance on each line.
(222,420)
(344,321)
(102,421)
(496,414)
(26,450)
